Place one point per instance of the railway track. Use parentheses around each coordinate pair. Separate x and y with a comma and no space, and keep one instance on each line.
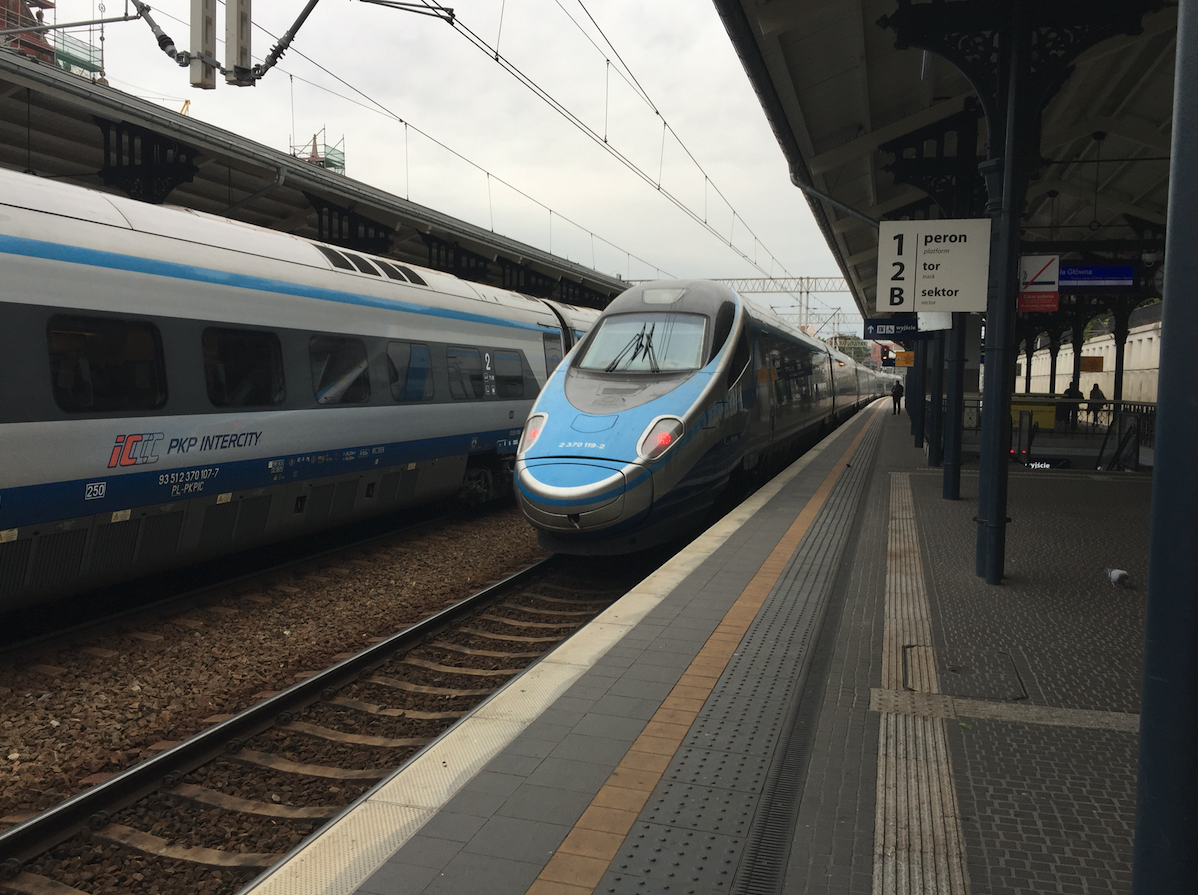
(212,812)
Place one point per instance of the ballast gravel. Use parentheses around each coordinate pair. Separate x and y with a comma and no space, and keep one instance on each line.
(70,718)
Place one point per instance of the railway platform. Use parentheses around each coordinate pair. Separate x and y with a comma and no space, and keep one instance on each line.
(817,696)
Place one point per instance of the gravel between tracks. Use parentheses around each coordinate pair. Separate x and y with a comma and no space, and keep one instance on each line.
(71,716)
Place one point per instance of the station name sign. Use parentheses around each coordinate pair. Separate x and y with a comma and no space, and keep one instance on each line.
(1118,275)
(933,265)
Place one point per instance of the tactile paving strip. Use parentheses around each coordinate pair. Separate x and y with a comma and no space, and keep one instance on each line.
(688,807)
(739,772)
(730,784)
(677,858)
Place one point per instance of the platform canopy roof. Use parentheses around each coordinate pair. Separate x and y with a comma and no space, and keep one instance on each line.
(52,122)
(837,92)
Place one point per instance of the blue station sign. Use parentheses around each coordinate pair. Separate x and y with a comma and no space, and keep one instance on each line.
(1123,276)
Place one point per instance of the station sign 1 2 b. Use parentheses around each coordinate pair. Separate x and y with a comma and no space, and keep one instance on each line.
(933,265)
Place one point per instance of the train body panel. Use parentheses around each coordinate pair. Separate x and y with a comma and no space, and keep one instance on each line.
(681,391)
(190,385)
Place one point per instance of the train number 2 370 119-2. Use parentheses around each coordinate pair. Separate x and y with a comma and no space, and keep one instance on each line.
(582,444)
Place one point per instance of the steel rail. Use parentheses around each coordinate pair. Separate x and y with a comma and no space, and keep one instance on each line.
(93,807)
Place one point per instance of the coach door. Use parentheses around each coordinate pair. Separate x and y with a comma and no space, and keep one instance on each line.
(765,363)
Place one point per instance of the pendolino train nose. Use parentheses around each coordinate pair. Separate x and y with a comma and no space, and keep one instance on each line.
(571,495)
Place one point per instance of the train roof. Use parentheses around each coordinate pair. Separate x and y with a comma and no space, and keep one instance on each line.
(199,228)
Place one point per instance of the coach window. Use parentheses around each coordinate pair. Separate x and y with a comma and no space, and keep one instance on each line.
(339,370)
(465,373)
(105,364)
(243,368)
(411,370)
(509,374)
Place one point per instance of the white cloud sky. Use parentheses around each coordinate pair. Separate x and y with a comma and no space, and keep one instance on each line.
(421,70)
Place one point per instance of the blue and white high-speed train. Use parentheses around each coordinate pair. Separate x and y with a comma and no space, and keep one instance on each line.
(175,385)
(681,391)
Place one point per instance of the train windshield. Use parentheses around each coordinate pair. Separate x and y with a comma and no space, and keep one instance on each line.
(646,343)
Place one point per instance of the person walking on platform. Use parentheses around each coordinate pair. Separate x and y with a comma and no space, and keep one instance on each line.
(1073,395)
(897,394)
(1097,399)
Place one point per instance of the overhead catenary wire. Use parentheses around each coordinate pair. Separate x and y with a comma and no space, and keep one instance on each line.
(625,73)
(480,43)
(631,79)
(435,9)
(644,95)
(379,108)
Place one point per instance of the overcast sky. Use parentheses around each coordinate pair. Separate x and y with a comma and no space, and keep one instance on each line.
(426,73)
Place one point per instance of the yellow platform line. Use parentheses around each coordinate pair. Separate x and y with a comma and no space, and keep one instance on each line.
(580,862)
(919,848)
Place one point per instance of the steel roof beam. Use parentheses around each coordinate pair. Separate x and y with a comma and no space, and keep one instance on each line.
(869,142)
(1143,134)
(1106,202)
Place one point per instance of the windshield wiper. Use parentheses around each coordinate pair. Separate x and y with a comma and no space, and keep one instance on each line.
(641,345)
(634,345)
(650,354)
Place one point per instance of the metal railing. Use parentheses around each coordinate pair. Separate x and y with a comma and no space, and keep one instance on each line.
(1068,417)
(1107,434)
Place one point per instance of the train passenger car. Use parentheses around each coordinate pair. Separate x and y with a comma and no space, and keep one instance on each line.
(177,385)
(682,391)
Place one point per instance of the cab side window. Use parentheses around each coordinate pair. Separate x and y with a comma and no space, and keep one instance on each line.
(104,364)
(740,358)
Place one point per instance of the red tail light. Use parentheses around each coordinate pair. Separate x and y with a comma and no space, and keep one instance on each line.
(660,437)
(532,431)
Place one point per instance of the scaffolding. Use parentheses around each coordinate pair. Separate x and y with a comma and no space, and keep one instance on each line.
(321,154)
(64,50)
(76,56)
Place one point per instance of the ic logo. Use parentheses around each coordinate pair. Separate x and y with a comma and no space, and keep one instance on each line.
(134,450)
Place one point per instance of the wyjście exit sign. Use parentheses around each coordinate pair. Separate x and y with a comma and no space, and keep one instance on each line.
(933,265)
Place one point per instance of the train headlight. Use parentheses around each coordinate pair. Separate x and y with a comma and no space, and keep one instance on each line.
(532,431)
(662,435)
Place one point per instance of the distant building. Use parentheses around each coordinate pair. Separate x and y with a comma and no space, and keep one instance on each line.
(19,14)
